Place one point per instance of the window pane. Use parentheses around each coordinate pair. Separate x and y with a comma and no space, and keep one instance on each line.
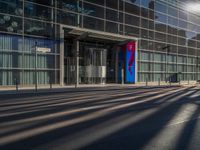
(10,24)
(13,7)
(93,23)
(37,11)
(38,28)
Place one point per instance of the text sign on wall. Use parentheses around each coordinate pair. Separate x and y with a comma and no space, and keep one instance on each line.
(43,49)
(131,62)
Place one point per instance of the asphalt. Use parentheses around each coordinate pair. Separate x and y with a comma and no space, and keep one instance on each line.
(108,118)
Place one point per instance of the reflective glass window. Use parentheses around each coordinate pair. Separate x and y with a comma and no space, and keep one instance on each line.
(37,11)
(67,18)
(172,39)
(10,42)
(172,21)
(13,7)
(172,30)
(144,12)
(160,7)
(144,23)
(144,33)
(93,10)
(159,46)
(190,35)
(160,17)
(33,27)
(132,20)
(182,41)
(121,5)
(191,51)
(121,17)
(93,23)
(192,43)
(132,31)
(151,35)
(137,2)
(44,2)
(183,15)
(173,11)
(151,14)
(182,33)
(111,15)
(182,50)
(111,27)
(99,2)
(10,24)
(144,45)
(147,3)
(112,4)
(182,24)
(160,27)
(192,27)
(173,48)
(160,37)
(133,9)
(151,25)
(70,5)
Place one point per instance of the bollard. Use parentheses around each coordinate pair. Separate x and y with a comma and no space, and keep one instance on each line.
(17,87)
(50,84)
(122,72)
(146,82)
(159,82)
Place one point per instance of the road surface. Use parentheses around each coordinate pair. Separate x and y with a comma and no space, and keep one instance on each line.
(110,118)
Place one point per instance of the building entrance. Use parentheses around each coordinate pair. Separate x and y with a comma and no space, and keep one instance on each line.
(96,60)
(97,63)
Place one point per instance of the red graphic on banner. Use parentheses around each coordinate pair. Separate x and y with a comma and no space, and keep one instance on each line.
(131,48)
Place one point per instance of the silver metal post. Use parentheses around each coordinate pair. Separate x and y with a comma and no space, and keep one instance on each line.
(77,63)
(50,80)
(197,59)
(122,72)
(16,82)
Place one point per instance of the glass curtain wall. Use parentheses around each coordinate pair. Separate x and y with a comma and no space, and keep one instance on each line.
(169,35)
(23,26)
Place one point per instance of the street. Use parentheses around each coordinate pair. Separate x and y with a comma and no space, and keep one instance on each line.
(107,118)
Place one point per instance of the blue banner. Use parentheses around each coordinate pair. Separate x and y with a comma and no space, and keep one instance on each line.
(130,62)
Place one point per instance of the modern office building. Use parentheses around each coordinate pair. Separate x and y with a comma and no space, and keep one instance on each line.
(98,41)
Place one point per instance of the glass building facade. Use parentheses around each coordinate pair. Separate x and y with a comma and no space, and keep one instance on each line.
(168,40)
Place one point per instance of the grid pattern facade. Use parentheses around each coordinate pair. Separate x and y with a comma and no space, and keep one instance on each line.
(169,36)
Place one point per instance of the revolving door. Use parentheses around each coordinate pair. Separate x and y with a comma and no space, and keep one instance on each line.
(92,69)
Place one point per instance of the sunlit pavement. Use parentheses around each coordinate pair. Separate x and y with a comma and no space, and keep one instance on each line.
(123,118)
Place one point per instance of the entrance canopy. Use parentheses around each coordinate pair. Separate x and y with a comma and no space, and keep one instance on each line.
(84,33)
